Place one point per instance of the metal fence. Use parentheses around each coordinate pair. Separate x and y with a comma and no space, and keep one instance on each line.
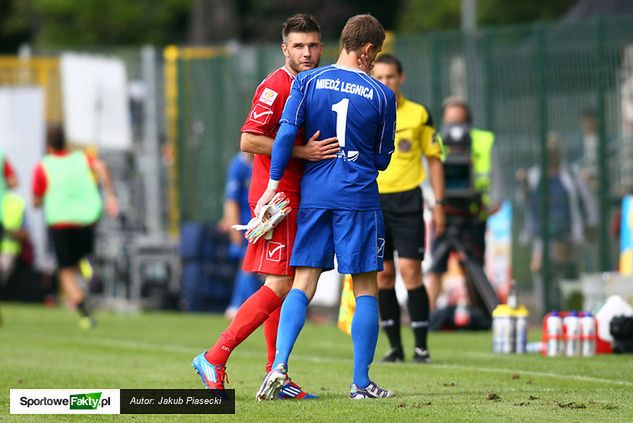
(522,82)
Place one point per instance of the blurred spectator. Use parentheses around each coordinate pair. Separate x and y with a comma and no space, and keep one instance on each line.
(466,214)
(572,216)
(65,184)
(15,234)
(238,212)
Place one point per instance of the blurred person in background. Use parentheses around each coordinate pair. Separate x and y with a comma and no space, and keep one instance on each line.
(571,209)
(466,215)
(403,211)
(238,212)
(15,234)
(10,208)
(66,184)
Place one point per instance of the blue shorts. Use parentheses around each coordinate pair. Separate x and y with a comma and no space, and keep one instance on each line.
(356,237)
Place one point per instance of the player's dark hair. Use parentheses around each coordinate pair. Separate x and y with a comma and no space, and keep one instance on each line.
(360,30)
(55,137)
(458,102)
(301,22)
(390,59)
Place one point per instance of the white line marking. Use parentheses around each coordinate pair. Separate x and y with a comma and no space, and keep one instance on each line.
(117,343)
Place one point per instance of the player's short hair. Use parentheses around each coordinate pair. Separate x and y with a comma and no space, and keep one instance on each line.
(55,137)
(301,22)
(360,30)
(390,59)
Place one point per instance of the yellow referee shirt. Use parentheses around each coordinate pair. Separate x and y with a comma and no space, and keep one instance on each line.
(415,137)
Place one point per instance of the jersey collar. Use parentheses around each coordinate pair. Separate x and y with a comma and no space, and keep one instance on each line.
(285,69)
(347,68)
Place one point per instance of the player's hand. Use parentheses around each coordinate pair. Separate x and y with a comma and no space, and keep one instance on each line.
(439,220)
(112,206)
(265,199)
(315,149)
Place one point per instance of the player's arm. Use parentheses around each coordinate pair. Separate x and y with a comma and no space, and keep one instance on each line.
(9,175)
(433,151)
(231,214)
(39,185)
(314,150)
(103,176)
(291,119)
(387,134)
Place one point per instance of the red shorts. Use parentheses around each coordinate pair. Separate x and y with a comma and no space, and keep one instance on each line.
(272,257)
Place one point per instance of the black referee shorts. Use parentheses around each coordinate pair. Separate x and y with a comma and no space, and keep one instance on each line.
(404,224)
(72,244)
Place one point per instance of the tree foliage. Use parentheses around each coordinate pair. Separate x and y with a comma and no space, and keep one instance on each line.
(83,23)
(429,15)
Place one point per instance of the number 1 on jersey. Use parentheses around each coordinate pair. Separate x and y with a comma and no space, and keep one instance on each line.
(340,109)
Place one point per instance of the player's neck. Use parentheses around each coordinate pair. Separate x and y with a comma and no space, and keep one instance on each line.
(348,60)
(289,69)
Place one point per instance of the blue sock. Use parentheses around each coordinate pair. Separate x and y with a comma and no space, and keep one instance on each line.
(365,336)
(291,320)
(247,284)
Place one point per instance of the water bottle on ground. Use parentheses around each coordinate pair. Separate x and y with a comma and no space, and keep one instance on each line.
(572,334)
(588,334)
(521,324)
(554,334)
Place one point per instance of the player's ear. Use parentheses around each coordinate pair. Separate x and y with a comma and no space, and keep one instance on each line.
(366,48)
(284,50)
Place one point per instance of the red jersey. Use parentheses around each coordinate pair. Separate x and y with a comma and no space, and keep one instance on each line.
(263,119)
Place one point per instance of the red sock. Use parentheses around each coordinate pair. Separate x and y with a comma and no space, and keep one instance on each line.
(270,334)
(249,317)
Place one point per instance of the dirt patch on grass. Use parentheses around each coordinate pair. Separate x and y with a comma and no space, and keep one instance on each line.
(492,396)
(572,405)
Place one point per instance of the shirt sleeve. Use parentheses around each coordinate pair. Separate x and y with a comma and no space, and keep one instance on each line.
(431,142)
(233,181)
(291,119)
(387,134)
(267,106)
(39,181)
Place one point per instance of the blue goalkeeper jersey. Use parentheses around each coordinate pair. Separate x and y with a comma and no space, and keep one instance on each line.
(361,113)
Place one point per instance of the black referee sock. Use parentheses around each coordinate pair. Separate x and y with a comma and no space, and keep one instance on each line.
(83,309)
(390,316)
(418,303)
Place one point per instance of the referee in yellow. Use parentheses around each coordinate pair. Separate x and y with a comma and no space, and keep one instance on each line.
(402,206)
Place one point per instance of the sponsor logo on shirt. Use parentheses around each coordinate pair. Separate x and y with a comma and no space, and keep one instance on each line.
(273,251)
(261,114)
(268,96)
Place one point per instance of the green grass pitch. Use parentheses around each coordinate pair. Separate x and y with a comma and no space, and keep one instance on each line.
(44,348)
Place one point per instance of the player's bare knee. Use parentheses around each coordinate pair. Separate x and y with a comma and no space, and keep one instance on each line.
(279,284)
(386,279)
(412,277)
(365,284)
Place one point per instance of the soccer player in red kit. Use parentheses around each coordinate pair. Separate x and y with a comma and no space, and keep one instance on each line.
(302,49)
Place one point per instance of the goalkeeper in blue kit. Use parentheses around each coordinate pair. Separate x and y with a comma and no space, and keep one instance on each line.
(339,213)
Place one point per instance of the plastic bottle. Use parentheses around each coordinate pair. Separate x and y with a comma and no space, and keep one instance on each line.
(554,335)
(572,334)
(462,314)
(521,324)
(500,321)
(588,335)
